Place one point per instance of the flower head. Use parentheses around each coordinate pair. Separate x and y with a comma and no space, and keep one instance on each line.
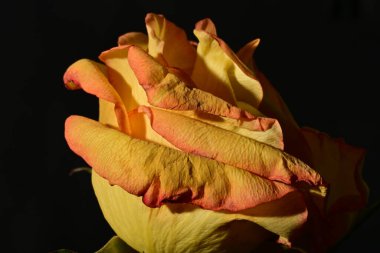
(196,150)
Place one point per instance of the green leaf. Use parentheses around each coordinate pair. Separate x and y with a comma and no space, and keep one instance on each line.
(116,245)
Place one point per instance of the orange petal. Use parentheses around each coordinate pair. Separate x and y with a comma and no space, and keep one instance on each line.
(166,90)
(91,77)
(245,54)
(134,38)
(168,43)
(162,174)
(199,138)
(219,71)
(340,165)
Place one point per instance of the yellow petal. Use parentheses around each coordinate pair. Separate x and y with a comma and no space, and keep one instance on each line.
(124,81)
(199,138)
(168,43)
(91,77)
(134,38)
(162,174)
(166,90)
(219,71)
(206,25)
(180,227)
(340,165)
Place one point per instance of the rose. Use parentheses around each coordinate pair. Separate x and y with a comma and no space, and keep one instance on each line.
(196,151)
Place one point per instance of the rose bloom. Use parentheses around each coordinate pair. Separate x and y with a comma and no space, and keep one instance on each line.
(195,150)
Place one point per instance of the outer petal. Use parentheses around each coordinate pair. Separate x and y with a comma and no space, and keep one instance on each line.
(155,229)
(166,90)
(196,137)
(168,43)
(161,174)
(91,77)
(219,71)
(340,165)
(134,38)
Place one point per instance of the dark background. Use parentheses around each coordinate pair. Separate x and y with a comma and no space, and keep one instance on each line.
(323,57)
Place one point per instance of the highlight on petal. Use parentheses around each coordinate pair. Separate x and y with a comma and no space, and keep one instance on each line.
(162,174)
(166,90)
(199,138)
(168,43)
(219,71)
(91,77)
(340,165)
(134,38)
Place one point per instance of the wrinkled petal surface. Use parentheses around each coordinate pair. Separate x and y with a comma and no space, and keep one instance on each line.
(166,90)
(162,174)
(200,138)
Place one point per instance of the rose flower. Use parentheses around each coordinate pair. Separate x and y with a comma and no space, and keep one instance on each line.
(195,150)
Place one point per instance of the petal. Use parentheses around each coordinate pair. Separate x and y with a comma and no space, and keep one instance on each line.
(134,38)
(199,138)
(340,165)
(91,77)
(206,25)
(219,71)
(245,54)
(125,83)
(162,174)
(166,90)
(265,130)
(272,103)
(180,227)
(168,43)
(273,106)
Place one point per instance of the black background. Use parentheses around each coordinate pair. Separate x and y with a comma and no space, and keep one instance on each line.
(323,57)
